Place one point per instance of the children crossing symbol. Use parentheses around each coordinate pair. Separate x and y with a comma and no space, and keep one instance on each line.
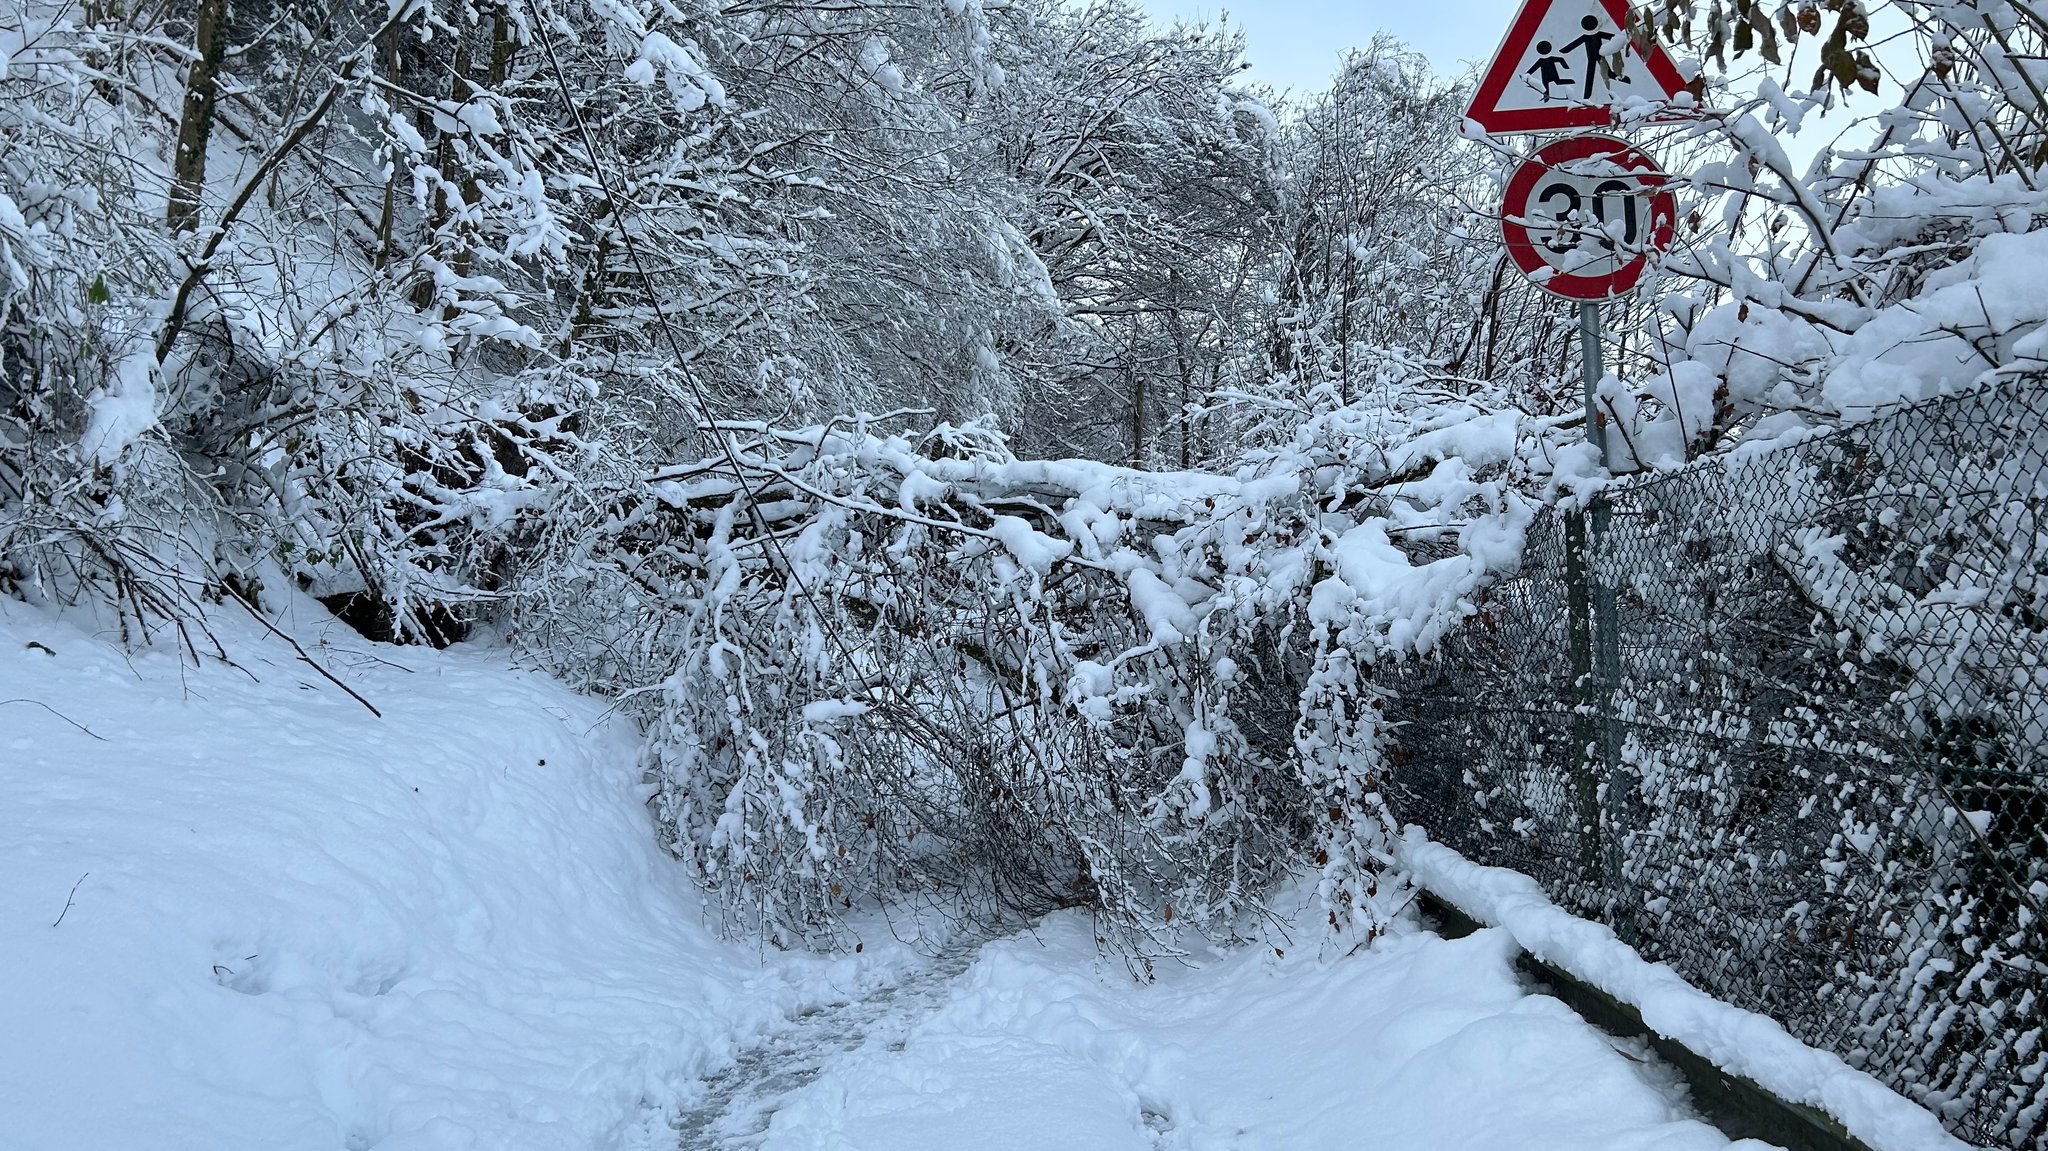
(1568,64)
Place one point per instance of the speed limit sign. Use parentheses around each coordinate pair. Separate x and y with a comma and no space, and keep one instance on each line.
(1584,216)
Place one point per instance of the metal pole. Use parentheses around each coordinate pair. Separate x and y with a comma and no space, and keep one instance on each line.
(1586,737)
(1606,623)
(1589,359)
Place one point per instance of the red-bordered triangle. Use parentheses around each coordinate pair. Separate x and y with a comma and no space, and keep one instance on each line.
(1554,106)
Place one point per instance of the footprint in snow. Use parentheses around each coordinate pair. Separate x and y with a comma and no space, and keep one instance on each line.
(740,1101)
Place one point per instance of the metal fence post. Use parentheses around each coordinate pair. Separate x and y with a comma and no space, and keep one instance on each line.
(1603,658)
(1585,693)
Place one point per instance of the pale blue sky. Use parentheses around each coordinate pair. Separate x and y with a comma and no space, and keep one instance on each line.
(1297,43)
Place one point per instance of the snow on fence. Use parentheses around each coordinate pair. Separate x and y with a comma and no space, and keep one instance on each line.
(1781,720)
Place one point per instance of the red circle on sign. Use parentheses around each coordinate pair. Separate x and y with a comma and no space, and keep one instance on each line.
(1550,160)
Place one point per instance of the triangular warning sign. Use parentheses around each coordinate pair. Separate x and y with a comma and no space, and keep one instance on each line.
(1566,64)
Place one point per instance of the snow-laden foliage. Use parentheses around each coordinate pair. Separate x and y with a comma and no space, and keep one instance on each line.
(415,307)
(1903,261)
(362,298)
(881,663)
(547,316)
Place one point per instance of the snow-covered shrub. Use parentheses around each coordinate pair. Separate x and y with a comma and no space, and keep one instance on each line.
(880,663)
(209,399)
(89,501)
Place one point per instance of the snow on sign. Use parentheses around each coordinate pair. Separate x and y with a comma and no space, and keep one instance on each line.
(1583,216)
(1568,64)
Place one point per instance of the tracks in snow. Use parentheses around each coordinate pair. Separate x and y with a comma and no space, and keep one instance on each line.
(738,1102)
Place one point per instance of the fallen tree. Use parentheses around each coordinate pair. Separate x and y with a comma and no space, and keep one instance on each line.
(883,664)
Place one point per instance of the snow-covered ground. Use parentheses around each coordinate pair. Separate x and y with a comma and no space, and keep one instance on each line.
(1420,1043)
(299,926)
(1737,1041)
(239,911)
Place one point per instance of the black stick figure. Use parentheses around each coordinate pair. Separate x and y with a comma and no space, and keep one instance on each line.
(1549,69)
(1594,42)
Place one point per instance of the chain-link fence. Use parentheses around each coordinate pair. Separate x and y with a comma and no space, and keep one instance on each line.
(1781,719)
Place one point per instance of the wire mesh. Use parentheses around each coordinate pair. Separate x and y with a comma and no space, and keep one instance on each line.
(1780,719)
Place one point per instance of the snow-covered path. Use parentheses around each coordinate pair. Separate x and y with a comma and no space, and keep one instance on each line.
(739,1102)
(237,911)
(1420,1043)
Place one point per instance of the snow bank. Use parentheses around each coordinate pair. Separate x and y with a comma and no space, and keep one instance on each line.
(298,926)
(1740,1042)
(1417,1044)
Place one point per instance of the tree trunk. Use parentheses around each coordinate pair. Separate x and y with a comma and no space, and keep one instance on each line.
(585,314)
(504,47)
(195,121)
(500,66)
(1182,361)
(460,90)
(1138,399)
(387,218)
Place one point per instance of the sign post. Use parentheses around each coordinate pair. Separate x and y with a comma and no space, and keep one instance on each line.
(1604,657)
(1582,218)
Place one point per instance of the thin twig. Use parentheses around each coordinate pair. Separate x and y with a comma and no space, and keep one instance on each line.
(67,901)
(59,715)
(307,659)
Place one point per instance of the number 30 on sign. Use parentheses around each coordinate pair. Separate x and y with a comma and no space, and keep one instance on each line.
(1584,216)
